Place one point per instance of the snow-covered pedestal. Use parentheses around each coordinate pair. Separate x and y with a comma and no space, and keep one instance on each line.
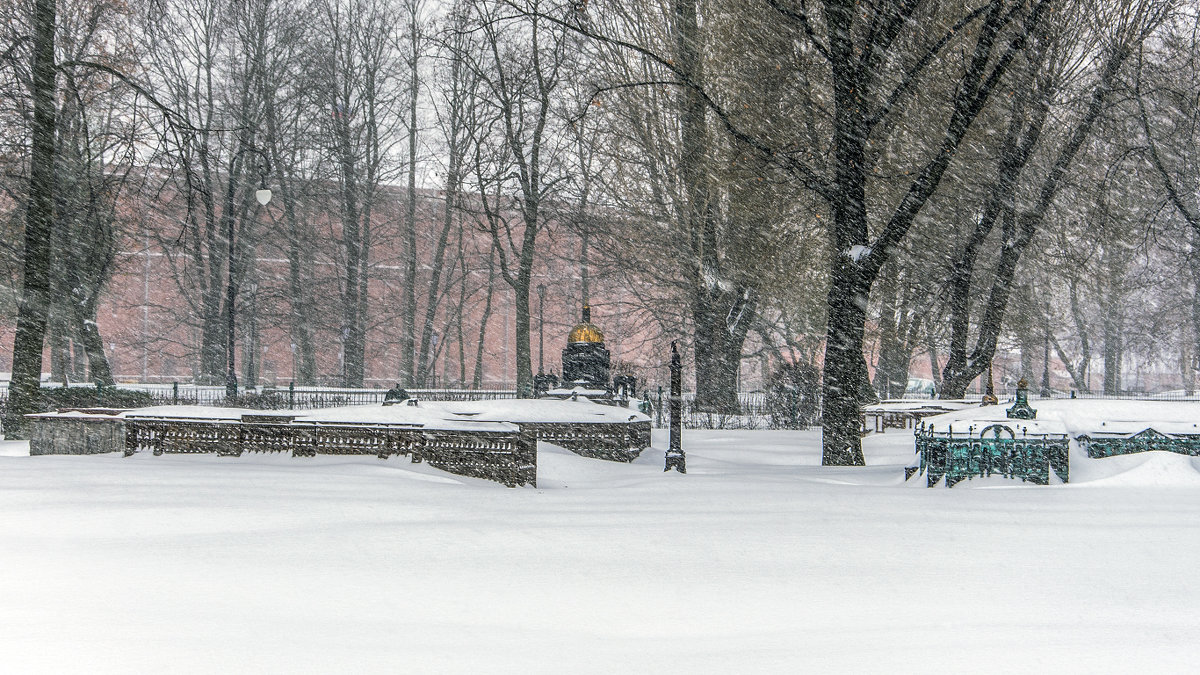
(76,432)
(907,413)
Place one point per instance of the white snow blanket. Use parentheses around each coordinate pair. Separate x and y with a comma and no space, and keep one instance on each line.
(756,561)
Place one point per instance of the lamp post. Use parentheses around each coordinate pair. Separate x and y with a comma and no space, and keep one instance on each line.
(541,291)
(675,456)
(262,196)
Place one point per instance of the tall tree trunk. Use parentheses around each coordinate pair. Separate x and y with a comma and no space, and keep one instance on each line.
(855,261)
(1186,375)
(413,366)
(1192,333)
(720,317)
(849,290)
(477,378)
(39,217)
(1078,371)
(458,325)
(298,256)
(521,302)
(1113,345)
(935,368)
(352,333)
(211,258)
(721,325)
(301,305)
(889,338)
(435,274)
(93,345)
(60,346)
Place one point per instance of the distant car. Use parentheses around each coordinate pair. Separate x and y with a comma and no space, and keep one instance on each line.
(919,387)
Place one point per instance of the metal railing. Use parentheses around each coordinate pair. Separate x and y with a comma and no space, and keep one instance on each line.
(755,411)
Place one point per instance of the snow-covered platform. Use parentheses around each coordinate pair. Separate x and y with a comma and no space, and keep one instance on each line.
(496,440)
(907,413)
(984,440)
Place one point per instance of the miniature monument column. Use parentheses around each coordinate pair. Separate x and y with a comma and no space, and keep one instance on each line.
(675,456)
(1021,409)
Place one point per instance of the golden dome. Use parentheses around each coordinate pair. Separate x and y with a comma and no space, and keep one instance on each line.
(585,332)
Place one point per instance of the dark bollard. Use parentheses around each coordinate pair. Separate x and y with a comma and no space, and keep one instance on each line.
(291,395)
(675,457)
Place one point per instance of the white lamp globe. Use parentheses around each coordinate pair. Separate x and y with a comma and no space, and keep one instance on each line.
(263,196)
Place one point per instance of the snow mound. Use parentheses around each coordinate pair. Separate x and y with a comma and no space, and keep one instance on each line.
(14,448)
(1144,469)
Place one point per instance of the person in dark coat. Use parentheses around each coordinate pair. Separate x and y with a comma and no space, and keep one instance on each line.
(395,395)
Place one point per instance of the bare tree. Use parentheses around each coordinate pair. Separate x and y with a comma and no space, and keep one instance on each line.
(1119,31)
(358,73)
(34,305)
(456,109)
(519,152)
(1167,84)
(869,60)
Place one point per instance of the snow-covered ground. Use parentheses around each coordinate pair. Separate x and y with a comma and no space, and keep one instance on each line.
(758,560)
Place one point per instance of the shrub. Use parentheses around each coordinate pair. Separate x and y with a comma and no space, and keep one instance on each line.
(794,396)
(53,398)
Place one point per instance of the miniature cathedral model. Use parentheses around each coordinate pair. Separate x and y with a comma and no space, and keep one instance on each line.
(585,361)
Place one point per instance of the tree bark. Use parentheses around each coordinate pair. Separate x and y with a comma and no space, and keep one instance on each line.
(39,216)
(721,325)
(411,365)
(452,186)
(721,316)
(477,377)
(352,329)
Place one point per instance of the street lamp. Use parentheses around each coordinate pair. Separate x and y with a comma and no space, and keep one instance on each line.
(541,291)
(263,197)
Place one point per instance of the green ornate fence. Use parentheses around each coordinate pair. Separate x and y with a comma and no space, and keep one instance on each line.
(994,450)
(1109,445)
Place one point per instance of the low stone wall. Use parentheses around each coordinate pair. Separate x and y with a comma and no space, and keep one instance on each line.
(618,442)
(508,457)
(75,435)
(497,450)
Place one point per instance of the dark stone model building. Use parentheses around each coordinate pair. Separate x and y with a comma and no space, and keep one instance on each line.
(585,361)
